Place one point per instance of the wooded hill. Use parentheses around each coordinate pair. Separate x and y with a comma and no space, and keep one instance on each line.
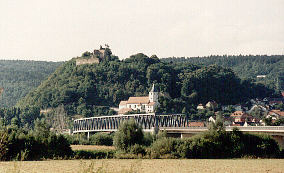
(91,89)
(246,67)
(18,77)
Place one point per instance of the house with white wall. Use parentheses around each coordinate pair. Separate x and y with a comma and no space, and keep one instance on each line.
(146,104)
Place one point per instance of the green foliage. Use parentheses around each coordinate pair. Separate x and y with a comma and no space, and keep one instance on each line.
(101,139)
(77,139)
(128,134)
(148,138)
(137,149)
(19,117)
(218,125)
(247,67)
(163,147)
(4,143)
(279,107)
(91,89)
(102,154)
(18,77)
(36,145)
(216,144)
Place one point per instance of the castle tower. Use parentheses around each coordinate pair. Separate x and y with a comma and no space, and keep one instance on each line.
(154,94)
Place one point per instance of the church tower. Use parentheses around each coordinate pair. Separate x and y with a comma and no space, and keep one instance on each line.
(153,94)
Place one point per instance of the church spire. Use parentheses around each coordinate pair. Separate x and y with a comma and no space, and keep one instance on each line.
(154,89)
(153,94)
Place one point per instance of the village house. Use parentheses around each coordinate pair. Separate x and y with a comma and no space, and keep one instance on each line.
(275,114)
(211,105)
(196,124)
(241,117)
(212,119)
(145,104)
(261,108)
(200,107)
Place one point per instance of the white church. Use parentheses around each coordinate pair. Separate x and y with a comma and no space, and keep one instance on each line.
(146,104)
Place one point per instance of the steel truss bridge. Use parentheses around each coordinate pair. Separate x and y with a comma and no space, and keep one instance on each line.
(111,123)
(176,125)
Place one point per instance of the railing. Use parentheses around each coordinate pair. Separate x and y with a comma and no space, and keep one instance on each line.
(230,128)
(258,128)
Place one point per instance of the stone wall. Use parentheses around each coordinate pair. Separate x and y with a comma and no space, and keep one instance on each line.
(87,61)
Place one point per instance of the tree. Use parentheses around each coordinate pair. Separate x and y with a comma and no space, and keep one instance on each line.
(3,144)
(218,125)
(128,134)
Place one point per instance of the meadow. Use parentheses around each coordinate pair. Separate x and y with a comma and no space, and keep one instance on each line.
(145,165)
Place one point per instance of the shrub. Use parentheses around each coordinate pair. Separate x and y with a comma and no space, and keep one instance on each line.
(216,144)
(58,146)
(137,149)
(101,139)
(128,134)
(4,143)
(259,145)
(164,146)
(36,146)
(102,154)
(25,147)
(148,139)
(77,139)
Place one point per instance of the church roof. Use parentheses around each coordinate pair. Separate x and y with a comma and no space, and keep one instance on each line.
(123,103)
(154,88)
(138,100)
(124,110)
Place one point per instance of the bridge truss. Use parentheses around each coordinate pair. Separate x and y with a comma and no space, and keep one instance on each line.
(146,121)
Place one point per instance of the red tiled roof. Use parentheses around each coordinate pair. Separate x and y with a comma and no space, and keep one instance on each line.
(123,103)
(278,112)
(196,124)
(235,125)
(151,103)
(138,100)
(237,113)
(124,110)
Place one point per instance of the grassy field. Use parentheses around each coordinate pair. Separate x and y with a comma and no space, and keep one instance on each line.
(91,147)
(159,165)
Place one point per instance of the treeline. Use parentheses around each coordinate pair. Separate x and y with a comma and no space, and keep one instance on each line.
(90,90)
(245,66)
(36,144)
(131,142)
(18,77)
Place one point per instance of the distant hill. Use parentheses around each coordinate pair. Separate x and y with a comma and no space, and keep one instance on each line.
(19,77)
(91,89)
(246,67)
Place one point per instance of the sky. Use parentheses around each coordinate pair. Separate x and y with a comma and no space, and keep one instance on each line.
(58,30)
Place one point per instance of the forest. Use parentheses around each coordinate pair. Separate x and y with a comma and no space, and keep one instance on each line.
(245,66)
(18,77)
(92,89)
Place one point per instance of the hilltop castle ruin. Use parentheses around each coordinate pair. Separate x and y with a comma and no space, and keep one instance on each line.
(95,57)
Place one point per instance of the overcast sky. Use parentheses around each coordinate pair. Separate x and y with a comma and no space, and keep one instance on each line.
(57,30)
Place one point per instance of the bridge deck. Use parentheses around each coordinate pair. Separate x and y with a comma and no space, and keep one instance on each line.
(174,123)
